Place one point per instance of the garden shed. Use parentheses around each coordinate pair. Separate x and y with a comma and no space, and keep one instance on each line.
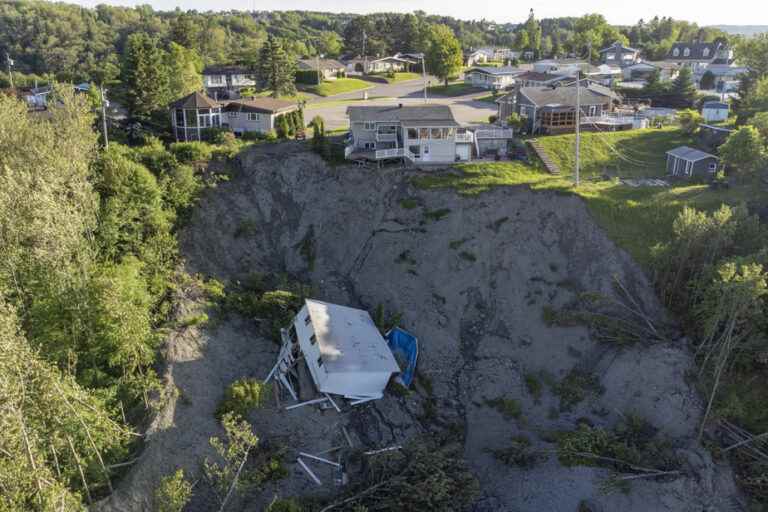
(684,161)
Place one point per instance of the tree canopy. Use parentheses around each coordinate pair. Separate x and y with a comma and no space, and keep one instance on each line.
(443,57)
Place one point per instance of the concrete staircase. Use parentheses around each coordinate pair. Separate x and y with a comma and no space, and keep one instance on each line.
(548,163)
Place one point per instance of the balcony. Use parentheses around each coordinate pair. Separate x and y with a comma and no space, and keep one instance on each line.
(386,137)
(393,153)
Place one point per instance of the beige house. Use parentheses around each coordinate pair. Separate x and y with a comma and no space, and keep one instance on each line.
(329,69)
(255,115)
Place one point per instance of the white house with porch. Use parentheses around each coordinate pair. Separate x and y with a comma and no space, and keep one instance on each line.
(192,115)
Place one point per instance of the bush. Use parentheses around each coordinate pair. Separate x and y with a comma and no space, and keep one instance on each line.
(287,505)
(242,396)
(575,387)
(509,407)
(519,453)
(173,493)
(194,151)
(690,121)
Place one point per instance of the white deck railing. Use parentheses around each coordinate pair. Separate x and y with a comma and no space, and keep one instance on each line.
(393,153)
(495,133)
(464,137)
(386,137)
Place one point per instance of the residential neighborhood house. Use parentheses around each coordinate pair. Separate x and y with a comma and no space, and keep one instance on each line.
(327,69)
(343,350)
(492,78)
(418,133)
(619,55)
(257,115)
(688,162)
(226,82)
(642,71)
(698,56)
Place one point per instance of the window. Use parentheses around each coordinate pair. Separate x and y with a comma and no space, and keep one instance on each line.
(687,52)
(307,320)
(320,362)
(216,79)
(705,53)
(292,335)
(592,110)
(413,133)
(426,150)
(252,116)
(712,166)
(234,114)
(313,339)
(179,117)
(191,117)
(415,150)
(369,126)
(370,145)
(676,52)
(437,133)
(423,133)
(449,132)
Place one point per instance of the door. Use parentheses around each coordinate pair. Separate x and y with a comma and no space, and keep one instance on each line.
(462,151)
(425,156)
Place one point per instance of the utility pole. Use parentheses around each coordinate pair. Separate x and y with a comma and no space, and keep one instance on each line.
(104,116)
(365,56)
(424,76)
(9,61)
(319,81)
(578,124)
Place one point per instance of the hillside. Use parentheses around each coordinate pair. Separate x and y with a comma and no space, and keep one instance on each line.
(744,30)
(494,366)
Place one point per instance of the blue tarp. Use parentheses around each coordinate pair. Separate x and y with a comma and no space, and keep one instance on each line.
(407,345)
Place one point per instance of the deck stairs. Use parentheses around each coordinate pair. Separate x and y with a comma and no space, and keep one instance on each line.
(542,154)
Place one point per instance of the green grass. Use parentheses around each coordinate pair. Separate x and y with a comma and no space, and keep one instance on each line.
(339,86)
(296,97)
(454,89)
(400,77)
(637,219)
(491,98)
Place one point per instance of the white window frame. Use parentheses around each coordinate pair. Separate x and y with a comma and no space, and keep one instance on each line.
(712,167)
(253,116)
(705,53)
(687,52)
(369,126)
(216,79)
(234,114)
(370,145)
(676,52)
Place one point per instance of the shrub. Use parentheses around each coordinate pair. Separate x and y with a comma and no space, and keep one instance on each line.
(173,493)
(533,385)
(241,396)
(519,453)
(689,121)
(576,386)
(286,505)
(509,407)
(194,151)
(493,118)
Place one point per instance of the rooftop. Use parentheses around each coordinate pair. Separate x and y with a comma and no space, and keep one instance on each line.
(195,100)
(261,104)
(562,96)
(312,64)
(411,115)
(225,70)
(491,70)
(348,339)
(689,154)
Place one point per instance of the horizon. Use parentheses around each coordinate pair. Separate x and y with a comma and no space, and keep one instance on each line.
(615,14)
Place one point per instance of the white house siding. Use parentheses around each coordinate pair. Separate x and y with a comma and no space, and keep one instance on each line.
(361,135)
(434,150)
(715,114)
(239,122)
(487,81)
(310,350)
(212,81)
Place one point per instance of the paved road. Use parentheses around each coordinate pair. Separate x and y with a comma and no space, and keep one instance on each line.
(467,109)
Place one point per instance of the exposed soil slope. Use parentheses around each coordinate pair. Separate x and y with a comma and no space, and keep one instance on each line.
(471,277)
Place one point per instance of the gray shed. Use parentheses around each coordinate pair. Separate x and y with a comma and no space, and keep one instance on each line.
(687,162)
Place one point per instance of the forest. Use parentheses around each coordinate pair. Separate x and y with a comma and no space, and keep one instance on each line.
(72,43)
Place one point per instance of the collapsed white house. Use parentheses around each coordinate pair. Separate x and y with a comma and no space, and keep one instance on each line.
(343,350)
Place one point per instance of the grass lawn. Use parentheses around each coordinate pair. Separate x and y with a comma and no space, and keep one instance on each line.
(401,77)
(299,96)
(454,89)
(338,86)
(636,219)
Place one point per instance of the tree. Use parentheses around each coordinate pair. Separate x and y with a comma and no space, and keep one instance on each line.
(145,75)
(444,57)
(690,120)
(515,122)
(707,81)
(744,150)
(184,71)
(173,493)
(760,121)
(754,100)
(683,90)
(329,44)
(276,71)
(533,30)
(228,474)
(185,30)
(281,127)
(753,53)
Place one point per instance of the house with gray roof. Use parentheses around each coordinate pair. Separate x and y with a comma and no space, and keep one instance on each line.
(492,78)
(687,162)
(550,110)
(328,69)
(414,133)
(619,55)
(258,115)
(226,82)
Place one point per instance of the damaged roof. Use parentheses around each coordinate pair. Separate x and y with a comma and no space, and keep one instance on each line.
(348,339)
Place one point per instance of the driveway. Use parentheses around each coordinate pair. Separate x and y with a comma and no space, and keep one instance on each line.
(467,109)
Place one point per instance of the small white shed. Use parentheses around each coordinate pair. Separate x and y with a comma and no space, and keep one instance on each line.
(715,111)
(344,351)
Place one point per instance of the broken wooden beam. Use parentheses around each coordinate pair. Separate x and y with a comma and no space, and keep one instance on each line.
(309,472)
(319,459)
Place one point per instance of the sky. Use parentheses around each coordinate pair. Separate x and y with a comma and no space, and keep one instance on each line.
(738,12)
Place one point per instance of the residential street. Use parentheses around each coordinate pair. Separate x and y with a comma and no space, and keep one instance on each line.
(467,109)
